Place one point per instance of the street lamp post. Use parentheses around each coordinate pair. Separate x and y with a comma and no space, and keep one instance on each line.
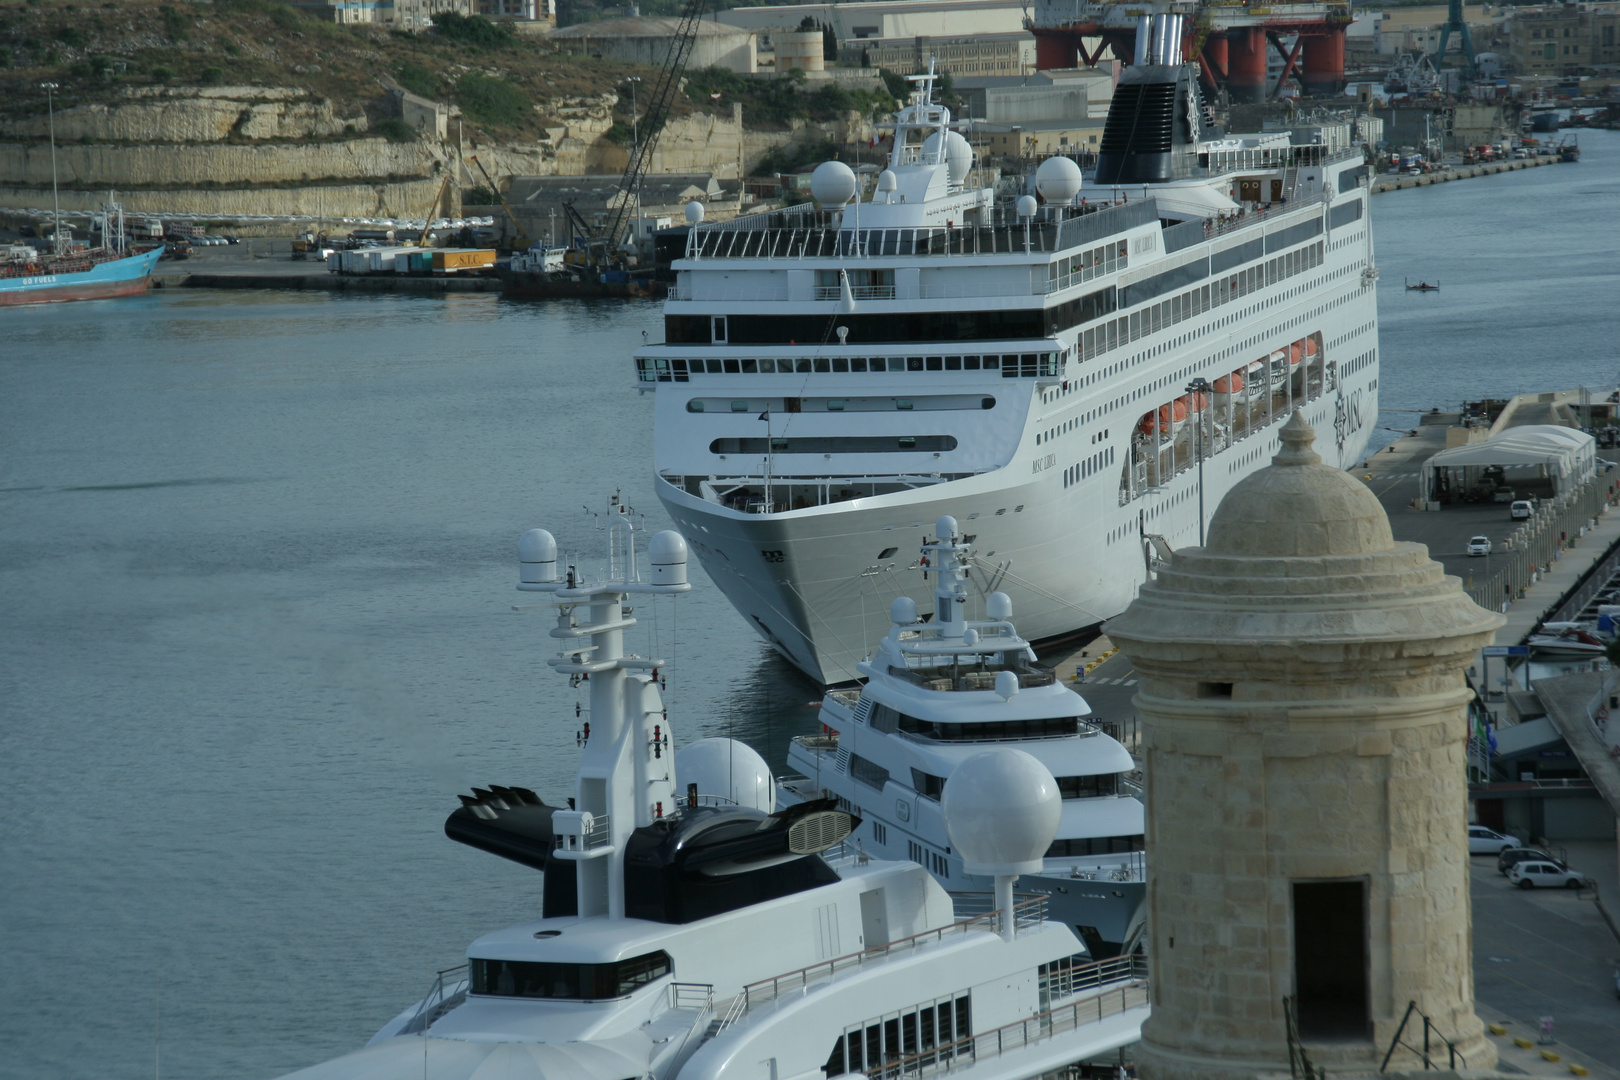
(1199,389)
(56,199)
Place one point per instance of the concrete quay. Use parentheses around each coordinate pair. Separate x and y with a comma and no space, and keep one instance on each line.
(1460,172)
(267,264)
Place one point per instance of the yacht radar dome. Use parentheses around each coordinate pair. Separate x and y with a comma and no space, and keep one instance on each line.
(998,606)
(694,212)
(726,769)
(832,185)
(666,552)
(903,611)
(537,557)
(1002,811)
(887,181)
(1006,685)
(957,154)
(945,527)
(1026,206)
(1058,180)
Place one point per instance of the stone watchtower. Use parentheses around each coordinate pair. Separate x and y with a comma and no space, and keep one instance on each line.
(1303,709)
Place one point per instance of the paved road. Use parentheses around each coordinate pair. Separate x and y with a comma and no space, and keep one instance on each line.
(1545,952)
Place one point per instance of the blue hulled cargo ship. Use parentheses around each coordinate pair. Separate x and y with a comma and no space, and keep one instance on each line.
(79,275)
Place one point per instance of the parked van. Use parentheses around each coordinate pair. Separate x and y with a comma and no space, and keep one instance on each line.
(1522,509)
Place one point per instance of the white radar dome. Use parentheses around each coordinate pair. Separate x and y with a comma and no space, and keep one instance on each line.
(903,611)
(945,527)
(1058,180)
(887,181)
(694,212)
(1002,810)
(1027,205)
(832,184)
(998,605)
(958,154)
(728,770)
(666,551)
(537,557)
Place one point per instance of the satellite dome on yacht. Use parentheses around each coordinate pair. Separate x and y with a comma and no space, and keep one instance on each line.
(728,771)
(832,184)
(1058,180)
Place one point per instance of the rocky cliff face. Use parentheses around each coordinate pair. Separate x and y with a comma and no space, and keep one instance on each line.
(161,114)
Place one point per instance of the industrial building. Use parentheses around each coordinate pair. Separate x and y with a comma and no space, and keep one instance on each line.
(646,40)
(1563,39)
(974,55)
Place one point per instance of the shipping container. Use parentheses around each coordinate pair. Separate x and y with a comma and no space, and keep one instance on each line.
(450,260)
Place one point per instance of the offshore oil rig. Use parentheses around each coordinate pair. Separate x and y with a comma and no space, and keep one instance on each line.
(1229,39)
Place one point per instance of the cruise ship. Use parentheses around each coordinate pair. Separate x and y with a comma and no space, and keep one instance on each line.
(1079,377)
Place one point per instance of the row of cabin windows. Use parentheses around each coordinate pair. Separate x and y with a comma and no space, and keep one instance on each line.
(1076,269)
(796,405)
(885,719)
(680,369)
(937,864)
(577,982)
(1150,320)
(1069,787)
(877,1048)
(1096,845)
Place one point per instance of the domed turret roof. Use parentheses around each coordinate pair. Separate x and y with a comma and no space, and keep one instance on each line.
(1299,506)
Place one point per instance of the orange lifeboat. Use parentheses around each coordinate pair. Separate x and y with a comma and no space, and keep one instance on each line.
(1170,418)
(1310,348)
(1296,353)
(1193,402)
(1229,384)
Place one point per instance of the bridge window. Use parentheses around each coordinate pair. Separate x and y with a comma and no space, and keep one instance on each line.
(578,982)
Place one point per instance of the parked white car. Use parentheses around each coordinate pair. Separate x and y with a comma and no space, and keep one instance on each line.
(1538,873)
(1483,841)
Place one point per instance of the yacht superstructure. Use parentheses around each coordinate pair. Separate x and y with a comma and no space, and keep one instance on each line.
(940,691)
(835,377)
(689,930)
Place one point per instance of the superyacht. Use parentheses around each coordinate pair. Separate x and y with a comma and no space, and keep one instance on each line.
(939,692)
(1080,377)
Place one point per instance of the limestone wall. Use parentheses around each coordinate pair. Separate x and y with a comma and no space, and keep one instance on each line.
(194,114)
(103,166)
(402,199)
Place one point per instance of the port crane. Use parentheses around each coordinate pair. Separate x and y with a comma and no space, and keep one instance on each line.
(611,235)
(523,237)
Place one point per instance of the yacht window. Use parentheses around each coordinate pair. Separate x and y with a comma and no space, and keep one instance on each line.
(992,362)
(840,363)
(750,367)
(868,772)
(914,363)
(1096,845)
(804,366)
(579,982)
(927,784)
(857,363)
(767,365)
(821,364)
(719,328)
(739,406)
(936,363)
(835,405)
(732,367)
(953,363)
(715,366)
(694,406)
(971,363)
(1087,787)
(903,404)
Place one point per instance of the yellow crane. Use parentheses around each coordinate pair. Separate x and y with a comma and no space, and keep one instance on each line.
(427,219)
(495,189)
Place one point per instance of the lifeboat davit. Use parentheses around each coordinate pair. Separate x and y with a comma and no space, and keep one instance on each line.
(1171,417)
(1279,368)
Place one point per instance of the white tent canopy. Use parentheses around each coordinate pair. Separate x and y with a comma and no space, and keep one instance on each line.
(1535,453)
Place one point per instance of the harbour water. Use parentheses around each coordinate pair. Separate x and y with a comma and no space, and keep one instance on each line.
(257,553)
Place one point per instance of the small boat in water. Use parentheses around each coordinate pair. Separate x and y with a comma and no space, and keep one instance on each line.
(1422,286)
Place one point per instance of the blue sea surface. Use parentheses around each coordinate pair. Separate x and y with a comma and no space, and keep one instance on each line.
(257,626)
